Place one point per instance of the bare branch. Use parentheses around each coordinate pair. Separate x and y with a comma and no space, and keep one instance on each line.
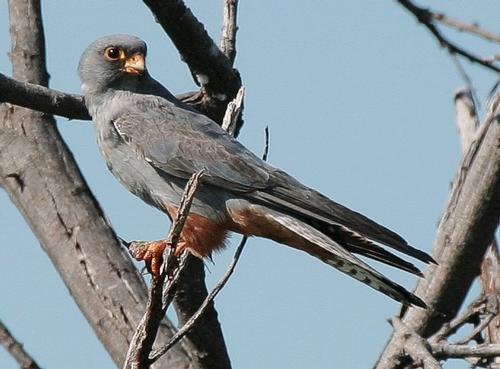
(466,229)
(42,179)
(466,116)
(233,112)
(145,334)
(490,267)
(43,99)
(210,68)
(447,350)
(472,312)
(425,17)
(16,349)
(472,28)
(415,346)
(229,28)
(490,281)
(201,310)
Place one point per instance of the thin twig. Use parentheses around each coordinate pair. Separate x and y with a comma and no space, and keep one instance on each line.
(208,300)
(424,16)
(266,146)
(477,307)
(145,334)
(229,29)
(170,283)
(218,287)
(477,330)
(16,349)
(472,28)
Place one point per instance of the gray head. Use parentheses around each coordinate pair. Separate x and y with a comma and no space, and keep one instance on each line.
(116,61)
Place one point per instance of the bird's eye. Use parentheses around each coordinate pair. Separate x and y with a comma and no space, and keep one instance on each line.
(112,53)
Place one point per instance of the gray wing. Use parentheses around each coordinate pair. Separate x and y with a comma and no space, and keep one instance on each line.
(181,142)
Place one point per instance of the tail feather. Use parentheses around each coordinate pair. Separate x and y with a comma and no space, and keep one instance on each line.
(357,244)
(330,252)
(313,206)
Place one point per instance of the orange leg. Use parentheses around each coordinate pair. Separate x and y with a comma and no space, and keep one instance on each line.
(149,251)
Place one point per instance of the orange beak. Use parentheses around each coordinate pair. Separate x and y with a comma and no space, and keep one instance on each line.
(135,64)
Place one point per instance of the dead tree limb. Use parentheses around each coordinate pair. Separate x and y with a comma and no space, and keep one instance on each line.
(145,333)
(472,28)
(16,349)
(43,99)
(425,17)
(229,29)
(39,173)
(210,68)
(467,122)
(465,231)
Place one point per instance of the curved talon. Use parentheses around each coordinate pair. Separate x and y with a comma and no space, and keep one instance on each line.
(151,252)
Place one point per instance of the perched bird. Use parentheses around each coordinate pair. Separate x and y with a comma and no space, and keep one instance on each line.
(153,143)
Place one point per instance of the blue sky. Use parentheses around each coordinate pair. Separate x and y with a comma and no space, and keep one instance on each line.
(358,99)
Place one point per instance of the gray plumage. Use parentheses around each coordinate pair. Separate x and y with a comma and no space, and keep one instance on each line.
(153,143)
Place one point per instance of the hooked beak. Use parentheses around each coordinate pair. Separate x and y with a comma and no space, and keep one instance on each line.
(135,64)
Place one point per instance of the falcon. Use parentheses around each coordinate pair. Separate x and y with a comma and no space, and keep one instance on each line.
(153,144)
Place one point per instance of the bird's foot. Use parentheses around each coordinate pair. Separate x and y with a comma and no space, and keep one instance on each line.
(150,252)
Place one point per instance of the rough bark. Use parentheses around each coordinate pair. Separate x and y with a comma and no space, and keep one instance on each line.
(39,174)
(210,68)
(39,98)
(465,231)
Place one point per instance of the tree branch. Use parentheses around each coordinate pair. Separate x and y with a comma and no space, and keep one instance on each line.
(466,229)
(16,349)
(448,351)
(40,175)
(472,28)
(145,334)
(229,28)
(203,307)
(210,68)
(43,99)
(425,17)
(415,346)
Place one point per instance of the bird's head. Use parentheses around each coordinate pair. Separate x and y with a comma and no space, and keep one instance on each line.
(116,61)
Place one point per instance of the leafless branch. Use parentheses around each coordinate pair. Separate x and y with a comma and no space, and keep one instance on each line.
(447,350)
(145,334)
(208,300)
(466,116)
(42,179)
(229,29)
(470,314)
(265,154)
(43,99)
(425,17)
(490,268)
(415,346)
(218,287)
(472,28)
(210,68)
(466,229)
(233,112)
(490,282)
(16,349)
